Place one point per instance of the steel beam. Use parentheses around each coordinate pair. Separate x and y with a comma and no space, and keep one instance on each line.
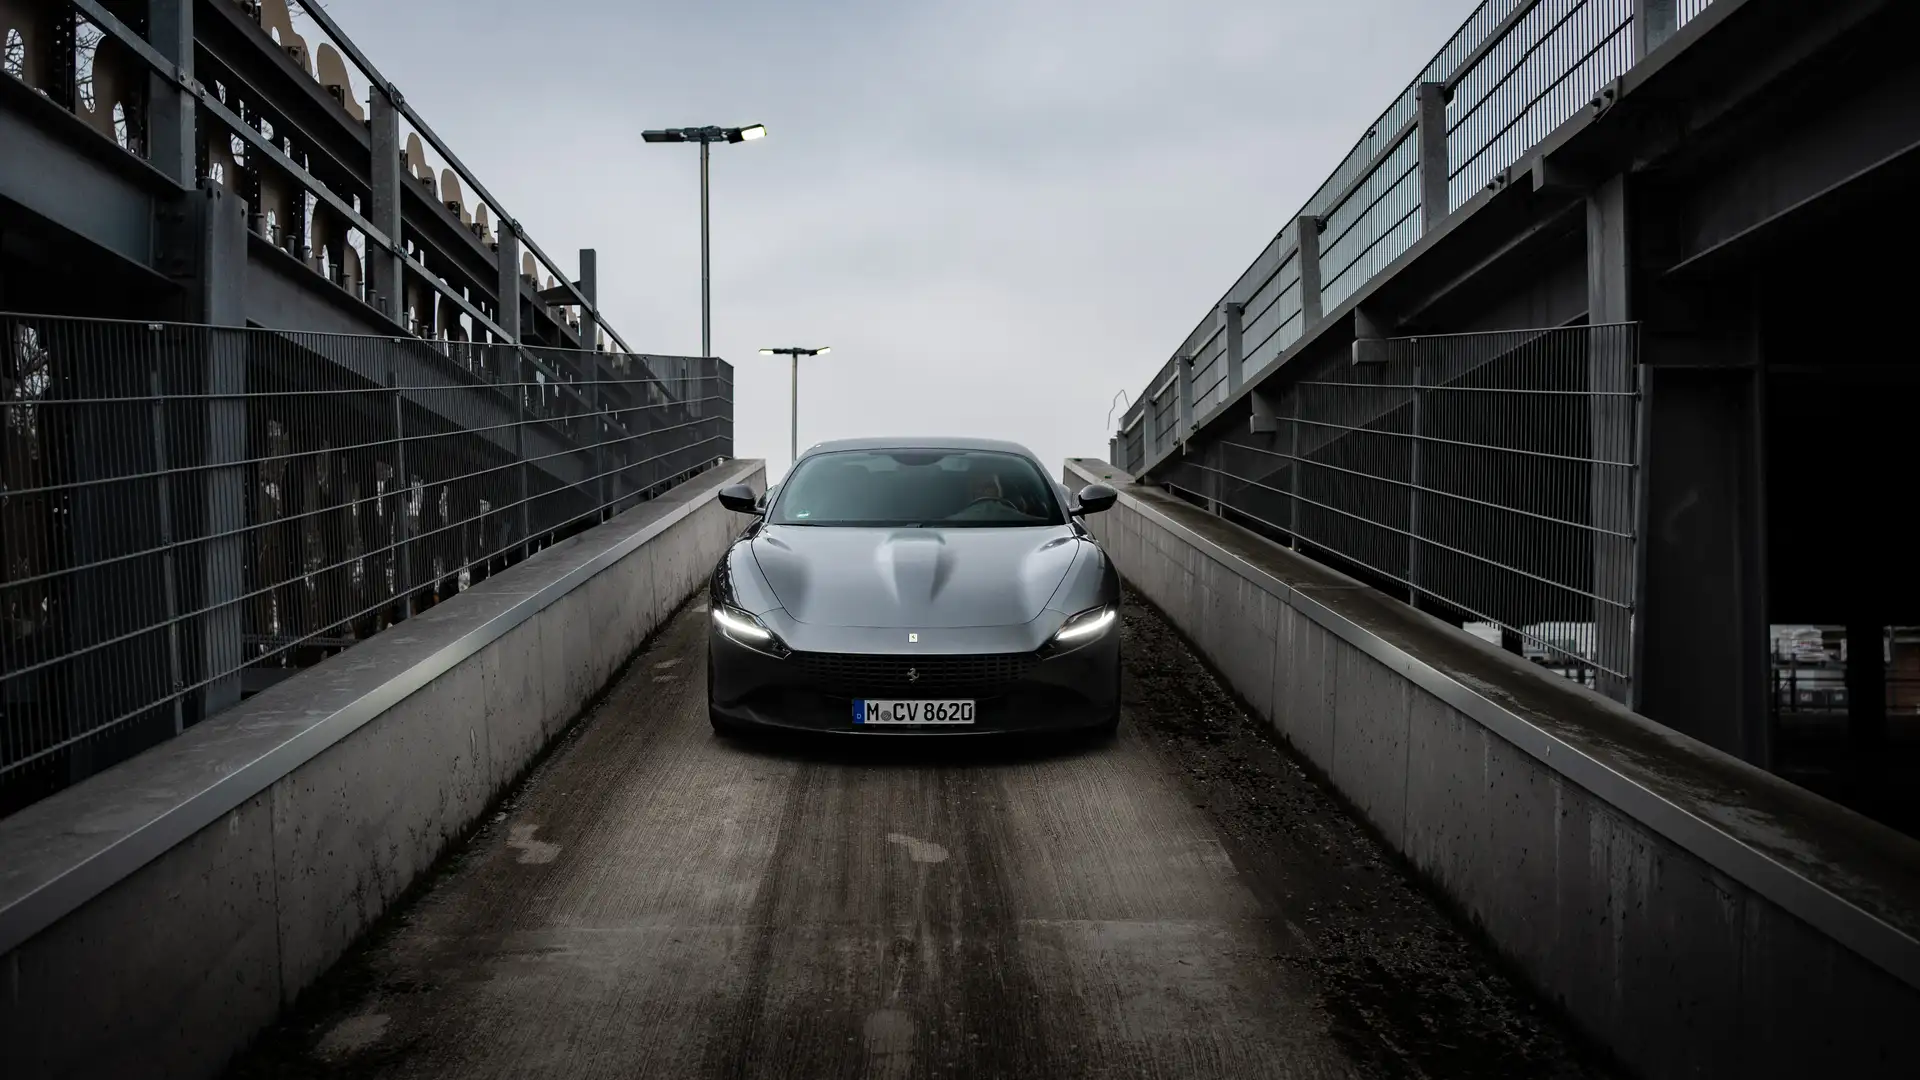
(1612,504)
(507,262)
(171,146)
(53,178)
(1801,162)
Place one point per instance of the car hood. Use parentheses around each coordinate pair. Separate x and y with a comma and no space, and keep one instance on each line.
(914,577)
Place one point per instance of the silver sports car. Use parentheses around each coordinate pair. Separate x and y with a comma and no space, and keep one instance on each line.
(915,586)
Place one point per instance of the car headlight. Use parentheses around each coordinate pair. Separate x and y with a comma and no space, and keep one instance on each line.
(1086,626)
(747,630)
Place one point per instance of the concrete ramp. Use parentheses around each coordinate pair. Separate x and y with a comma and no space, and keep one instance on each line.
(155,917)
(1696,915)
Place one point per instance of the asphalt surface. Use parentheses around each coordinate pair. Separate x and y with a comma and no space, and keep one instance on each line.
(1182,901)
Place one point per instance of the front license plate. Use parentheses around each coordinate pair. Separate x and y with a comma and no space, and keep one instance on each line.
(913,712)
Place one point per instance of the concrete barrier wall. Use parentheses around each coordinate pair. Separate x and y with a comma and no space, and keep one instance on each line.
(1697,916)
(155,917)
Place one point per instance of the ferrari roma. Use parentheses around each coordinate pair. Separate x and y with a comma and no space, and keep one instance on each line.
(915,587)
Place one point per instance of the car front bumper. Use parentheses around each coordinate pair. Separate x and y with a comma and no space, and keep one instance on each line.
(1012,692)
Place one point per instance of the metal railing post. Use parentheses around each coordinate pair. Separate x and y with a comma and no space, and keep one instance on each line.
(403,488)
(171,145)
(507,314)
(1415,477)
(1297,474)
(589,340)
(169,573)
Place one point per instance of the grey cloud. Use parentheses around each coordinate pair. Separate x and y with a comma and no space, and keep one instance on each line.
(999,213)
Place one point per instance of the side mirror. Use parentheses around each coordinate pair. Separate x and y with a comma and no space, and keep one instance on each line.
(740,499)
(1096,499)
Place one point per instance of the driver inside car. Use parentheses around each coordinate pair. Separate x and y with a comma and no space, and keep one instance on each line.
(985,500)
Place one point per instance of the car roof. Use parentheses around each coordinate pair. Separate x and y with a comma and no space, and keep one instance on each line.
(919,442)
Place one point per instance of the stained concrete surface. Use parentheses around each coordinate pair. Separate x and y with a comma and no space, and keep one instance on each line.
(656,901)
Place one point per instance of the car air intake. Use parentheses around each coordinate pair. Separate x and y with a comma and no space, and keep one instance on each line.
(858,675)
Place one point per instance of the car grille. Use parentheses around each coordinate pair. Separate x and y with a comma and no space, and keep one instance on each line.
(857,675)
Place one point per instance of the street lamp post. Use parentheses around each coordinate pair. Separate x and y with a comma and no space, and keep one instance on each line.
(706,137)
(796,352)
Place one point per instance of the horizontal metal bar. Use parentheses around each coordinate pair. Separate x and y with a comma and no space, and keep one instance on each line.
(412,538)
(340,206)
(324,21)
(1521,113)
(1492,41)
(1404,133)
(1294,461)
(454,295)
(1486,560)
(296,172)
(1467,445)
(121,32)
(318,14)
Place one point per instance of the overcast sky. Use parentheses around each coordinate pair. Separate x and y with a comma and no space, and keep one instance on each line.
(999,213)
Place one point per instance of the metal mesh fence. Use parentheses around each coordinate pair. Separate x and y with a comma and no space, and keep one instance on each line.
(1494,475)
(190,513)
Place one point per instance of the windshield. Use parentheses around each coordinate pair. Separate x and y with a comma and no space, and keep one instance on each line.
(943,488)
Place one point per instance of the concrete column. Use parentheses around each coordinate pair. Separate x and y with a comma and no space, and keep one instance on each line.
(1431,133)
(1369,338)
(1266,413)
(1235,351)
(1611,433)
(1307,236)
(1183,397)
(1700,618)
(171,146)
(1654,21)
(385,276)
(1704,665)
